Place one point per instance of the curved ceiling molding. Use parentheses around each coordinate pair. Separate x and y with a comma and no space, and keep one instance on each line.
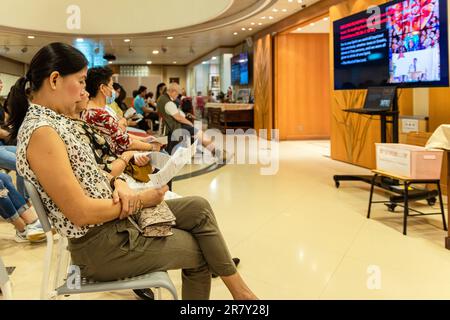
(212,15)
(100,17)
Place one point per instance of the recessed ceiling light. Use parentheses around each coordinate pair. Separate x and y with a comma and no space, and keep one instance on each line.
(31,37)
(205,62)
(312,24)
(284,10)
(252,23)
(250,29)
(326,19)
(270,18)
(174,62)
(110,62)
(214,58)
(290,0)
(263,17)
(170,38)
(235,33)
(126,40)
(300,1)
(149,62)
(243,29)
(155,51)
(275,10)
(299,29)
(80,40)
(260,24)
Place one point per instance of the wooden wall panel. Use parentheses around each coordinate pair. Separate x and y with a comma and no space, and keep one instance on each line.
(353,137)
(263,77)
(439,107)
(302,86)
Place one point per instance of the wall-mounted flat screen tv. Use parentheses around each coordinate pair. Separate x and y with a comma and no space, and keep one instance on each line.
(240,69)
(404,44)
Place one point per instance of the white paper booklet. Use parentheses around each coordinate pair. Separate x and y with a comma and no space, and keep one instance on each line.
(169,166)
(129,113)
(173,166)
(161,140)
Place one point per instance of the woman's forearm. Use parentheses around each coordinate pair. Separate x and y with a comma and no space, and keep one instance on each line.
(140,146)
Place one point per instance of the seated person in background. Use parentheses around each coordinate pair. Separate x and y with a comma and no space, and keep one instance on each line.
(99,85)
(14,209)
(108,161)
(121,95)
(142,108)
(90,208)
(174,119)
(150,101)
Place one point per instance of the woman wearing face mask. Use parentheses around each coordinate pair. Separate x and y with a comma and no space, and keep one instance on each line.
(99,84)
(90,209)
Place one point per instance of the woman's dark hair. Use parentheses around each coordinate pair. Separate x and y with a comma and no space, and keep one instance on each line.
(141,89)
(135,93)
(57,56)
(96,77)
(149,95)
(158,89)
(122,94)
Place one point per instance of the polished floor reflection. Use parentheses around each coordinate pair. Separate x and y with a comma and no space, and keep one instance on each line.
(298,237)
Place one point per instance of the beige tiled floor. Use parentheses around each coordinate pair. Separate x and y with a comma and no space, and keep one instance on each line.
(298,236)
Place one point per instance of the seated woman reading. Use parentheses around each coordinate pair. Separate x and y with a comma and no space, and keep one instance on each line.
(91,209)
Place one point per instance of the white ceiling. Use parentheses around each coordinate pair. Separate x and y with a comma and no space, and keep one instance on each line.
(188,44)
(100,17)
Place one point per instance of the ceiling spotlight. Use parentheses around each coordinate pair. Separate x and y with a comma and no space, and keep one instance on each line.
(169,38)
(263,17)
(250,29)
(275,10)
(243,29)
(252,23)
(284,10)
(155,51)
(24,50)
(260,24)
(326,19)
(80,40)
(149,62)
(235,33)
(290,0)
(270,18)
(126,40)
(300,1)
(214,58)
(31,37)
(312,24)
(174,62)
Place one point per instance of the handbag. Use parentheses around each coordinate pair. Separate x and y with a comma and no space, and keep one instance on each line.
(140,174)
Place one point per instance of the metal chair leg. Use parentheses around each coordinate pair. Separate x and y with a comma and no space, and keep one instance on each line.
(442,206)
(406,211)
(371,195)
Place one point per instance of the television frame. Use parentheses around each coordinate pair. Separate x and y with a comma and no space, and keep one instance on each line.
(444,49)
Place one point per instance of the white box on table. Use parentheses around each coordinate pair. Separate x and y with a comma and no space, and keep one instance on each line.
(409,161)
